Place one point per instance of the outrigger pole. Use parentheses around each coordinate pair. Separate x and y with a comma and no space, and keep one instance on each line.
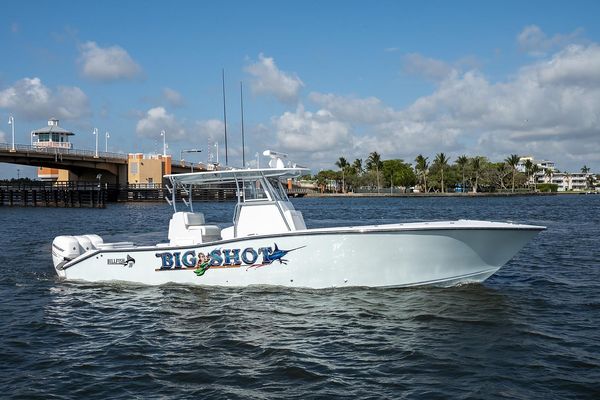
(242,107)
(225,117)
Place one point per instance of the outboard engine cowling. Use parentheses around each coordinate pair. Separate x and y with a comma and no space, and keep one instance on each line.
(64,249)
(95,239)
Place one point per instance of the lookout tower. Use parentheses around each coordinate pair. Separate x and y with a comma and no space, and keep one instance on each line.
(52,136)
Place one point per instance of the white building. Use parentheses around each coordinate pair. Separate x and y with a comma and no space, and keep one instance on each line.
(542,164)
(576,181)
(52,136)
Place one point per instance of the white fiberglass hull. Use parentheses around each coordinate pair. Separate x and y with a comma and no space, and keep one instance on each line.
(440,253)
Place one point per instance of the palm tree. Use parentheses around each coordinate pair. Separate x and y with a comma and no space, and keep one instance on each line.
(585,169)
(476,165)
(357,165)
(343,165)
(442,161)
(528,168)
(374,163)
(548,172)
(534,170)
(462,162)
(513,161)
(589,182)
(421,168)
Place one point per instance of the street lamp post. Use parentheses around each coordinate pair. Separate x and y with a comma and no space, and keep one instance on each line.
(189,151)
(96,135)
(106,137)
(11,122)
(164,135)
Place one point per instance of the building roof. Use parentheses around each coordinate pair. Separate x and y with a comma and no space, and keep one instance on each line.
(52,129)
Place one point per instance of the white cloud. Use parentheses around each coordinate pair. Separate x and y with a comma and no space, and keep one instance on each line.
(107,63)
(29,98)
(304,131)
(353,109)
(157,119)
(3,137)
(173,97)
(576,65)
(268,79)
(430,68)
(212,128)
(549,109)
(535,42)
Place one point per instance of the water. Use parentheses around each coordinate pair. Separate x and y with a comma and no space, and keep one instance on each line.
(530,331)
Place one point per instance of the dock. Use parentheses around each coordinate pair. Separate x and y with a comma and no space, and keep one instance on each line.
(63,194)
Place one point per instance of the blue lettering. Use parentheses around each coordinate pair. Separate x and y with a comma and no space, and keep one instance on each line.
(215,258)
(266,252)
(189,258)
(177,259)
(166,259)
(249,259)
(232,258)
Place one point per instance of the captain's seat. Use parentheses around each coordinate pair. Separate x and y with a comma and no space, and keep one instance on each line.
(187,228)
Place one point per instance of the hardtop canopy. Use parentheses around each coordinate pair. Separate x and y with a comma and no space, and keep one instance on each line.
(233,175)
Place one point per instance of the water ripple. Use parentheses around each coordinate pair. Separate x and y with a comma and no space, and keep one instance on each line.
(528,332)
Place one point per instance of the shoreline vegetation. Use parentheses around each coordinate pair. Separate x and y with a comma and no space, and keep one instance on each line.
(467,176)
(438,194)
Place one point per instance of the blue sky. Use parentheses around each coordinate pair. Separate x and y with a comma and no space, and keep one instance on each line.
(321,79)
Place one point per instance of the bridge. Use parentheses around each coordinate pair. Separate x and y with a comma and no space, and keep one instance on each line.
(83,163)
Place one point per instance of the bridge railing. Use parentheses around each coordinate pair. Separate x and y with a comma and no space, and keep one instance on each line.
(90,153)
(57,150)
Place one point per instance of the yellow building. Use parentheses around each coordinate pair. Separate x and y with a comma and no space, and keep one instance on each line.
(147,169)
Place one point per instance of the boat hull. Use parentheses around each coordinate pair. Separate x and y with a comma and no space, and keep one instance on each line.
(316,258)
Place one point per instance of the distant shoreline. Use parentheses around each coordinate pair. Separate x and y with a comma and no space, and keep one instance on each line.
(484,194)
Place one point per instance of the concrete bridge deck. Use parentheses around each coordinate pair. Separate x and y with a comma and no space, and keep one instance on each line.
(83,163)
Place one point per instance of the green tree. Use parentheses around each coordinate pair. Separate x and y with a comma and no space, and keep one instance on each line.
(528,168)
(585,169)
(477,164)
(513,161)
(462,162)
(548,172)
(589,182)
(374,163)
(442,162)
(421,169)
(534,171)
(398,172)
(324,179)
(357,165)
(343,165)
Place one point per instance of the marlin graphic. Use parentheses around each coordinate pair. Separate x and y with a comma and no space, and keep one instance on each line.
(276,255)
(129,262)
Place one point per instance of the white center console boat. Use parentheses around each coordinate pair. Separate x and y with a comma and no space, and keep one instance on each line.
(269,244)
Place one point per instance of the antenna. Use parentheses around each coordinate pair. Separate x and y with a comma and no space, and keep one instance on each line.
(242,107)
(225,117)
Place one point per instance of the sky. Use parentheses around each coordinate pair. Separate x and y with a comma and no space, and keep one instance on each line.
(320,79)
